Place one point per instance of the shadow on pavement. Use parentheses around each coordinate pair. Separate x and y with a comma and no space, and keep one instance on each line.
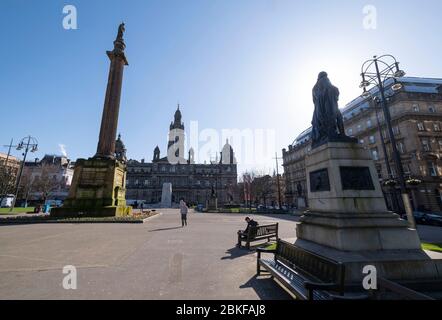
(266,288)
(165,229)
(236,252)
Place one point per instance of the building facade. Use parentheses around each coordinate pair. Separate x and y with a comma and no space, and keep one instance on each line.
(416,116)
(191,181)
(47,179)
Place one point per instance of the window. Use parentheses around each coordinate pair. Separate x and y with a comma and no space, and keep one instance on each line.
(369,123)
(420,126)
(426,145)
(372,139)
(375,154)
(415,108)
(436,126)
(407,169)
(146,182)
(440,144)
(432,169)
(361,141)
(136,182)
(396,130)
(350,132)
(359,127)
(432,109)
(379,170)
(400,147)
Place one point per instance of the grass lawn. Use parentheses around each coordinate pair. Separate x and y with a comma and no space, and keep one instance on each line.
(432,247)
(5,211)
(49,219)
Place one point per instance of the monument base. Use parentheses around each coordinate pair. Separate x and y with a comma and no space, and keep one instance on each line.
(301,203)
(166,195)
(355,232)
(212,204)
(98,190)
(405,266)
(348,220)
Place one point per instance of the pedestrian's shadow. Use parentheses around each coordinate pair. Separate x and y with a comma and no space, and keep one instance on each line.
(236,252)
(266,288)
(165,229)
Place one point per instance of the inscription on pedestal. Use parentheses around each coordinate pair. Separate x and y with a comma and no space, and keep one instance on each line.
(356,178)
(319,181)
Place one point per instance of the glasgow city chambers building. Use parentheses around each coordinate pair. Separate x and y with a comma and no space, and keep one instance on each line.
(192,181)
(416,118)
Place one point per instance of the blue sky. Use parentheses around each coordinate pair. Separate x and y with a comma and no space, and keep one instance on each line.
(231,64)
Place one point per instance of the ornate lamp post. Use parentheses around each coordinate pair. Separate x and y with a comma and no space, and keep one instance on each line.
(30,144)
(376,72)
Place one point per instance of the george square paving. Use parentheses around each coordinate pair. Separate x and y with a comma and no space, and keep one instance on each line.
(154,260)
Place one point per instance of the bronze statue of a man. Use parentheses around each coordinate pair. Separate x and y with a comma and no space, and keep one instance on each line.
(121,30)
(327,120)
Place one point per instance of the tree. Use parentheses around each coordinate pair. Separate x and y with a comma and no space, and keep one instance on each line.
(47,182)
(7,181)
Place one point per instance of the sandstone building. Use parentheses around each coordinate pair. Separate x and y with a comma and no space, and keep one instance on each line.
(191,181)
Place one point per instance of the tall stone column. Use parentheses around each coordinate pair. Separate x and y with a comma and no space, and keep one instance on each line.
(109,120)
(98,187)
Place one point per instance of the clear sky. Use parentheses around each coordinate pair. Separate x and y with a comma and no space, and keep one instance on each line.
(231,64)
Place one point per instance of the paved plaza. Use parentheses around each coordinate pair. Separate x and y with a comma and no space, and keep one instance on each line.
(154,260)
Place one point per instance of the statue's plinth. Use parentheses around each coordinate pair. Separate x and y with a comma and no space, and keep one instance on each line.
(212,203)
(166,195)
(347,208)
(348,220)
(98,189)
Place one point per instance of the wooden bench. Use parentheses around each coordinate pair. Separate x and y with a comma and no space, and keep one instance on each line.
(258,233)
(305,274)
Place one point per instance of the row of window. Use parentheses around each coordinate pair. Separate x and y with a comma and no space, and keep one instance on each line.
(431,169)
(173,169)
(436,126)
(369,123)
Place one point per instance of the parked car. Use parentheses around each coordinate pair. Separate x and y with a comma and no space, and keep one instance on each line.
(433,219)
(419,217)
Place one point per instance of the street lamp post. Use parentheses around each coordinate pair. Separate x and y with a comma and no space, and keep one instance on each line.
(29,144)
(378,77)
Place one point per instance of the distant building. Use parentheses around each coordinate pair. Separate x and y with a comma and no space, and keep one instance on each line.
(191,181)
(47,179)
(9,168)
(416,115)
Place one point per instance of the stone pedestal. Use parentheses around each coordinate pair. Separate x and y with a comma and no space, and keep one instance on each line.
(98,190)
(166,196)
(300,203)
(212,204)
(348,220)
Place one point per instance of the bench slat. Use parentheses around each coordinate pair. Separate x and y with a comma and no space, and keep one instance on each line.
(292,278)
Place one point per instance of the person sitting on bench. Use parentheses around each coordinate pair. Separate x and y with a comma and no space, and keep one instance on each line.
(243,234)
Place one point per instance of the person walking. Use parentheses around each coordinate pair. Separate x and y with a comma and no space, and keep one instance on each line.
(183,211)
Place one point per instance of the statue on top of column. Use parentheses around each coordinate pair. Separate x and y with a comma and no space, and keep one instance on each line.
(121,30)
